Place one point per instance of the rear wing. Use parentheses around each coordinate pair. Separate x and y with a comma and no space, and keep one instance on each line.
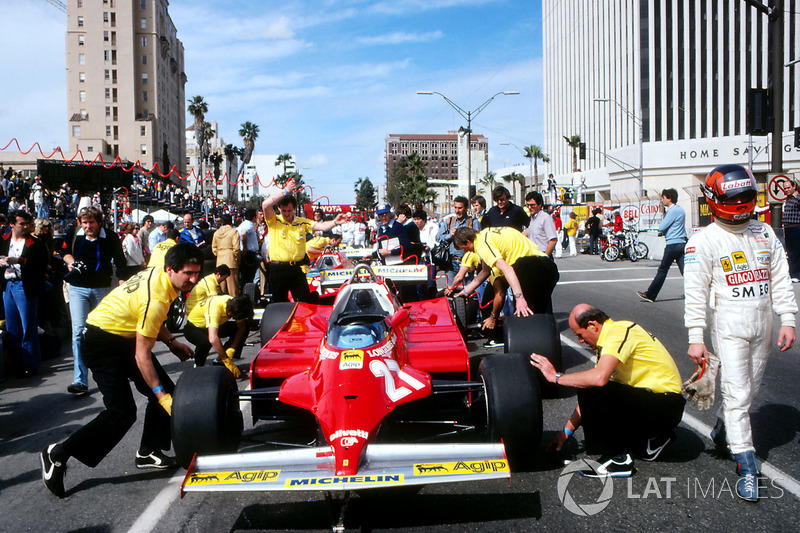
(313,469)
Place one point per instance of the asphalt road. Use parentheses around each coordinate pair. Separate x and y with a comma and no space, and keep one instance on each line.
(687,488)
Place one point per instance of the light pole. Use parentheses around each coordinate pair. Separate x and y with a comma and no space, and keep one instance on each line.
(638,122)
(468,115)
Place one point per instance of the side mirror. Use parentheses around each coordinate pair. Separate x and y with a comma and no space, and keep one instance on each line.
(399,317)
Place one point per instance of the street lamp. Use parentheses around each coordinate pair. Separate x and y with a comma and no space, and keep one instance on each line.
(638,122)
(468,115)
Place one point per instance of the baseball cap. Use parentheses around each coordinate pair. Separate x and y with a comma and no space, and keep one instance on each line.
(383,208)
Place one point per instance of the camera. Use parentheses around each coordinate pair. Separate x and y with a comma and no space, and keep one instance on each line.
(78,268)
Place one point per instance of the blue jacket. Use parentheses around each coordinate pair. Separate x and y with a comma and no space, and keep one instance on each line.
(674,225)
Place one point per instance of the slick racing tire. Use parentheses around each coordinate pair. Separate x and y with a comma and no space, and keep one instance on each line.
(275,316)
(206,419)
(466,312)
(611,253)
(535,334)
(513,407)
(251,291)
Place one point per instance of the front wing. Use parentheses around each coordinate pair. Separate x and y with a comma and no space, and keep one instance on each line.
(312,469)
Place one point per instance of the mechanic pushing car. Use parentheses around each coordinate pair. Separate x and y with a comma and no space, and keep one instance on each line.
(629,402)
(287,244)
(737,267)
(531,275)
(117,346)
(210,321)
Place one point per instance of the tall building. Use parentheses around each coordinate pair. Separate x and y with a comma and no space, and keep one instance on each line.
(125,82)
(221,188)
(442,155)
(659,90)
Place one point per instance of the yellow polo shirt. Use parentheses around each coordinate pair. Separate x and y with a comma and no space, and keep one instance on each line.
(503,243)
(158,253)
(287,241)
(643,360)
(318,243)
(472,261)
(205,289)
(211,313)
(140,305)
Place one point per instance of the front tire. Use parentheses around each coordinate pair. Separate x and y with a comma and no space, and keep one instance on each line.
(641,250)
(206,418)
(513,407)
(535,334)
(611,253)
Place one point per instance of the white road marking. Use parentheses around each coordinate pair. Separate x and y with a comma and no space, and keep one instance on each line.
(780,477)
(625,280)
(607,269)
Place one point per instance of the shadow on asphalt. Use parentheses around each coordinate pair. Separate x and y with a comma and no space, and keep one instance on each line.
(366,514)
(774,425)
(118,479)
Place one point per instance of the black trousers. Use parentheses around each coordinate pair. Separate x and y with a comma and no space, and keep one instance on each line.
(202,347)
(288,278)
(537,276)
(112,361)
(619,418)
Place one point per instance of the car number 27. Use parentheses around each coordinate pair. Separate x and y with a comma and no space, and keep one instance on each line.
(388,369)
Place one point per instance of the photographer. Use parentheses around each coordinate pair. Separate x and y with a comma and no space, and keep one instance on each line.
(88,251)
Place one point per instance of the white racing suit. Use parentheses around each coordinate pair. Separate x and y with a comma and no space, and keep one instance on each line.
(742,273)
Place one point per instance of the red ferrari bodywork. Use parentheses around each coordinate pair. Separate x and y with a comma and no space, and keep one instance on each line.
(350,390)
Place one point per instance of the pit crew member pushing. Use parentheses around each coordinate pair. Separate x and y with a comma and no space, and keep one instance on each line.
(737,267)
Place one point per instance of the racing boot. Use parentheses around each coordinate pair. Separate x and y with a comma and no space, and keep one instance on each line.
(747,468)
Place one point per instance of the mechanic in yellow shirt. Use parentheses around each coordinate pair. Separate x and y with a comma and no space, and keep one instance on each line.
(117,347)
(210,322)
(207,287)
(287,244)
(531,275)
(159,251)
(630,402)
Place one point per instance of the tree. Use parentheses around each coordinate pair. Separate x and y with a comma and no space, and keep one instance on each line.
(231,153)
(513,178)
(489,181)
(208,133)
(198,108)
(249,133)
(533,153)
(165,159)
(284,159)
(365,195)
(216,160)
(574,142)
(408,183)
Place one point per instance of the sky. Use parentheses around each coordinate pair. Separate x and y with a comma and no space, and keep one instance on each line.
(325,80)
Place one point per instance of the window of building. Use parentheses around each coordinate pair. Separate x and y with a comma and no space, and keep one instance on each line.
(108,111)
(76,131)
(143,130)
(81,59)
(145,114)
(105,36)
(144,41)
(81,40)
(90,148)
(108,93)
(82,77)
(144,60)
(105,16)
(80,3)
(143,4)
(84,114)
(143,149)
(80,22)
(143,23)
(108,131)
(107,74)
(82,96)
(144,96)
(144,77)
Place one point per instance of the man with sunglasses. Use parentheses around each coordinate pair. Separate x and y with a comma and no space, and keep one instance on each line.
(542,228)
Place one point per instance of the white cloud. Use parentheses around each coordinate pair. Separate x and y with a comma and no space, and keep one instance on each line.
(400,37)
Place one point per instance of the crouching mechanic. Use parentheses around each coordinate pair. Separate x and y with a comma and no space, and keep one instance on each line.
(207,287)
(630,402)
(210,321)
(738,268)
(117,347)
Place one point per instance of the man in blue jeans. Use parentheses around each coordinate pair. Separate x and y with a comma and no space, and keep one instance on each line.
(94,247)
(673,227)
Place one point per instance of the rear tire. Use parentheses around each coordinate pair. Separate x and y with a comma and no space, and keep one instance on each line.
(206,419)
(513,407)
(251,291)
(535,334)
(273,319)
(611,253)
(642,250)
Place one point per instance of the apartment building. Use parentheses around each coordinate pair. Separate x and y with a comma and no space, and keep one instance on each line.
(125,82)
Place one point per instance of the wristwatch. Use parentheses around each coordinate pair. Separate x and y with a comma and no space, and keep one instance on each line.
(558,376)
(518,295)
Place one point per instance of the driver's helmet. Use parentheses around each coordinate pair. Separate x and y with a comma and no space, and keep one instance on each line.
(731,193)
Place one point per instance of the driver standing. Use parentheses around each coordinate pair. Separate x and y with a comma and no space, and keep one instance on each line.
(737,267)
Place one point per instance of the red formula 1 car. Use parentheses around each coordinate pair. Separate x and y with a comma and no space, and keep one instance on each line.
(380,394)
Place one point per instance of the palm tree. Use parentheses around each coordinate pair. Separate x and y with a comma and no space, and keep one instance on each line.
(415,163)
(574,142)
(489,180)
(513,178)
(284,159)
(231,153)
(208,133)
(198,108)
(533,153)
(249,133)
(216,160)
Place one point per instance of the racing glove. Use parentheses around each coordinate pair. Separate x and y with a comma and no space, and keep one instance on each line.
(228,362)
(700,388)
(166,402)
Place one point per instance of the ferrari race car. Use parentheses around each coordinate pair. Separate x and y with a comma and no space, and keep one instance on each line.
(369,393)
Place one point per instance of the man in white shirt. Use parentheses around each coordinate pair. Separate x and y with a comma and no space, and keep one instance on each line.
(542,229)
(249,246)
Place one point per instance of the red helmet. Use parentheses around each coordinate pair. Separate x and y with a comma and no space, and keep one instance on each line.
(731,193)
